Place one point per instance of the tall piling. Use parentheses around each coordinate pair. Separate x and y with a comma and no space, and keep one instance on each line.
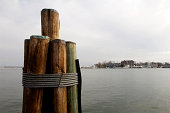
(72,94)
(36,64)
(50,23)
(25,90)
(55,99)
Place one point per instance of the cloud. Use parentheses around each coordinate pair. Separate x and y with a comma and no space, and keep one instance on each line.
(103,30)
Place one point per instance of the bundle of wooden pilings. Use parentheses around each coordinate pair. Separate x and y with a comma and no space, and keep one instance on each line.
(47,54)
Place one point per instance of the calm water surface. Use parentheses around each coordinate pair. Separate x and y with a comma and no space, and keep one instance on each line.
(104,91)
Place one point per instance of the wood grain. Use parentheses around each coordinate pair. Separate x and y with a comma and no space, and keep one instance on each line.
(37,56)
(50,23)
(55,99)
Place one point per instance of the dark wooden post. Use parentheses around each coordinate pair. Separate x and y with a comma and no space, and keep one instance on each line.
(37,56)
(79,85)
(26,51)
(50,23)
(72,99)
(25,90)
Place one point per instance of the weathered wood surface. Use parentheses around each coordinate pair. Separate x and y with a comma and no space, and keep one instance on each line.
(58,65)
(50,23)
(55,99)
(72,94)
(37,56)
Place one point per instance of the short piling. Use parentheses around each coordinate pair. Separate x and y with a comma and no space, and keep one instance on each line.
(26,52)
(37,56)
(25,90)
(58,65)
(72,99)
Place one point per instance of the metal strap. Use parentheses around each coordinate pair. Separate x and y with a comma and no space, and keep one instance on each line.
(49,80)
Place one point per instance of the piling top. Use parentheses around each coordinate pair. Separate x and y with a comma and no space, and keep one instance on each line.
(70,42)
(45,9)
(58,40)
(39,36)
(26,39)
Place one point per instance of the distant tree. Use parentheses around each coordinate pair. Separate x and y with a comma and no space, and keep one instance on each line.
(110,64)
(104,64)
(159,64)
(99,65)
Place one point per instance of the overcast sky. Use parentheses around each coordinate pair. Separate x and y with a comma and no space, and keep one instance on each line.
(104,30)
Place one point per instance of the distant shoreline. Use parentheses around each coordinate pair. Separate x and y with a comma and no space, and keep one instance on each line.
(10,67)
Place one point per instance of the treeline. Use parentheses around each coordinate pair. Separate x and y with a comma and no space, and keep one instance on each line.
(132,64)
(109,64)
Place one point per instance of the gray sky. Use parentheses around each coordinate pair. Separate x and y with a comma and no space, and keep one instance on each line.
(103,29)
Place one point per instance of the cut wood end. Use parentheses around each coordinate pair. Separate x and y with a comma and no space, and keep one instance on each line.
(58,40)
(45,9)
(26,40)
(70,42)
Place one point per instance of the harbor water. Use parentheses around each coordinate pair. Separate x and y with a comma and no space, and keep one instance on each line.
(103,90)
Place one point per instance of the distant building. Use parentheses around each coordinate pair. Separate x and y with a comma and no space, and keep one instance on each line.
(166,65)
(116,65)
(160,64)
(154,65)
(129,63)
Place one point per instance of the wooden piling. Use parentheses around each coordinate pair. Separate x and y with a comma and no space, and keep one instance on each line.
(79,86)
(25,90)
(72,94)
(50,23)
(58,65)
(37,56)
(55,99)
(26,51)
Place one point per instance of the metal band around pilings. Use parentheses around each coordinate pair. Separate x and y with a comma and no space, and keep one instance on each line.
(49,80)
